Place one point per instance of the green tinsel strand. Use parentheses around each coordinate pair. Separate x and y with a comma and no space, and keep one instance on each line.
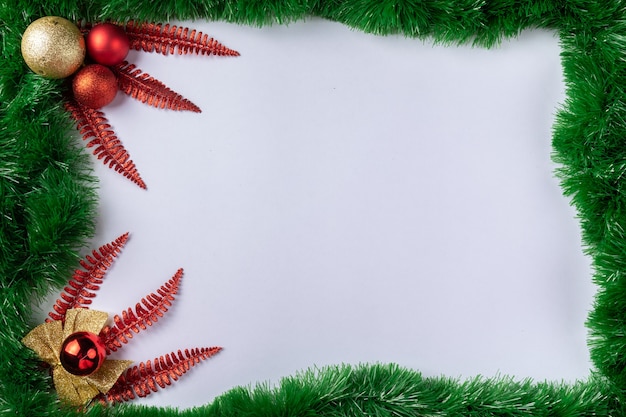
(589,143)
(47,203)
(388,390)
(48,210)
(250,12)
(449,21)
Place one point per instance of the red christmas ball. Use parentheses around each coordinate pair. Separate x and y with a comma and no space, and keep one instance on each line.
(82,353)
(94,86)
(107,44)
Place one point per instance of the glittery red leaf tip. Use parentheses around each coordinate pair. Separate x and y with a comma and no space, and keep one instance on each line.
(95,128)
(169,39)
(147,89)
(148,311)
(148,377)
(85,282)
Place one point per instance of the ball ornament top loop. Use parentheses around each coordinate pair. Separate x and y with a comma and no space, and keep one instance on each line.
(53,47)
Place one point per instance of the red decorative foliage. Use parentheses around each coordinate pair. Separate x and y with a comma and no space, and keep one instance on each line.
(169,39)
(141,86)
(153,307)
(93,126)
(147,377)
(80,289)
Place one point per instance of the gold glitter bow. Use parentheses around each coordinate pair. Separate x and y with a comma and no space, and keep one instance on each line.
(46,340)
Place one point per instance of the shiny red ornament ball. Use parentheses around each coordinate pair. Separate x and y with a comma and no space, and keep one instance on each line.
(94,86)
(107,44)
(82,353)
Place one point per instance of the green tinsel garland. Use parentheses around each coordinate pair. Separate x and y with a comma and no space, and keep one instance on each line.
(48,203)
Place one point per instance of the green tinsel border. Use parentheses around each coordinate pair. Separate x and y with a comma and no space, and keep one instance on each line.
(48,203)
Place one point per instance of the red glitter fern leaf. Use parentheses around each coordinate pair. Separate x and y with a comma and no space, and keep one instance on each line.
(154,305)
(95,128)
(81,288)
(141,86)
(169,39)
(146,378)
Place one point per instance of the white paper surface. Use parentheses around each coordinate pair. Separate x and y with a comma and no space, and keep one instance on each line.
(347,198)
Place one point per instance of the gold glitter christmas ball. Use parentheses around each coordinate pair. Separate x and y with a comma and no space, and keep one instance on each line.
(53,47)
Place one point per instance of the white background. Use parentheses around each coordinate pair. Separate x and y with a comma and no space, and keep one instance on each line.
(347,198)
